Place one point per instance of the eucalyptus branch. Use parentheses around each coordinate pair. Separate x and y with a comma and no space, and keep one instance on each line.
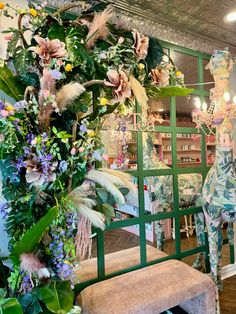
(28,91)
(66,7)
(93,82)
(20,29)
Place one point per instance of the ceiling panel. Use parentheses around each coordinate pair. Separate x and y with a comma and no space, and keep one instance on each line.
(196,24)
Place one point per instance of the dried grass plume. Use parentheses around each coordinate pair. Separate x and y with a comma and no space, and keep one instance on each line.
(67,94)
(98,28)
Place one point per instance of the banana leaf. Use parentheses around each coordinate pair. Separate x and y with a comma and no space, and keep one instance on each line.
(9,83)
(168,91)
(33,236)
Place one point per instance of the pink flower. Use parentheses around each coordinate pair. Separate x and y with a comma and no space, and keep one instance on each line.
(141,44)
(73,151)
(119,81)
(49,49)
(105,157)
(5,113)
(60,62)
(160,77)
(8,36)
(81,149)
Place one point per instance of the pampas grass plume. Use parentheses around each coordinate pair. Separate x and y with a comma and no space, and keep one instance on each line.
(139,93)
(67,94)
(98,28)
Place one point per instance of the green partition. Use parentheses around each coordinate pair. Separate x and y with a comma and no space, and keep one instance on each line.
(176,213)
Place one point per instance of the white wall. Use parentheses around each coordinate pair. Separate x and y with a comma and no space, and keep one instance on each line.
(5,23)
(8,22)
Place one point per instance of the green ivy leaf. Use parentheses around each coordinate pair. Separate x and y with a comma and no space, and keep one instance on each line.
(10,306)
(33,236)
(57,296)
(9,83)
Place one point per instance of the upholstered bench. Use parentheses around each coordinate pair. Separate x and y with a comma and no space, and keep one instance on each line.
(151,290)
(117,261)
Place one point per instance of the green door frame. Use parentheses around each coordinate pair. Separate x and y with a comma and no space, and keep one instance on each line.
(140,173)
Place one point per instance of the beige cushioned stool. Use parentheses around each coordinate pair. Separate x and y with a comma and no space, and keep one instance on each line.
(116,261)
(151,290)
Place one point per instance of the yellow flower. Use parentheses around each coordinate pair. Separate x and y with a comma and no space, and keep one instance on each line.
(2,5)
(33,12)
(103,101)
(91,133)
(67,262)
(10,108)
(178,73)
(141,66)
(68,67)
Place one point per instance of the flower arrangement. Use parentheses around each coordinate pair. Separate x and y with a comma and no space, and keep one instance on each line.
(62,82)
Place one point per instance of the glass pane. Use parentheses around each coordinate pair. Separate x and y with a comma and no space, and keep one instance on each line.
(196,260)
(187,65)
(131,207)
(210,149)
(184,108)
(156,150)
(120,149)
(159,111)
(207,75)
(88,267)
(159,239)
(225,255)
(190,188)
(122,248)
(188,232)
(188,150)
(158,192)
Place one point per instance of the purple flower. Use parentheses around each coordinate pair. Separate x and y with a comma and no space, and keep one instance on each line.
(44,136)
(20,163)
(57,75)
(97,155)
(27,151)
(20,105)
(2,107)
(63,166)
(83,128)
(30,137)
(4,209)
(26,285)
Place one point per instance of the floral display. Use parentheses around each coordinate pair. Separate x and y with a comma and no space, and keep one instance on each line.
(61,83)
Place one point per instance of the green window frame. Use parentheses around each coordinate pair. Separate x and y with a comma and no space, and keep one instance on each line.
(174,171)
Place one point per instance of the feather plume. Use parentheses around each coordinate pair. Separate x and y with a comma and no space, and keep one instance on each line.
(126,180)
(106,182)
(67,94)
(31,264)
(139,93)
(96,218)
(98,28)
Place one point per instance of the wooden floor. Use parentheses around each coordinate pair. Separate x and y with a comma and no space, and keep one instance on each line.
(119,239)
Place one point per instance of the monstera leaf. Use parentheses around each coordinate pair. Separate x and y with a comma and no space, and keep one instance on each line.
(168,91)
(9,84)
(10,306)
(33,236)
(57,296)
(22,59)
